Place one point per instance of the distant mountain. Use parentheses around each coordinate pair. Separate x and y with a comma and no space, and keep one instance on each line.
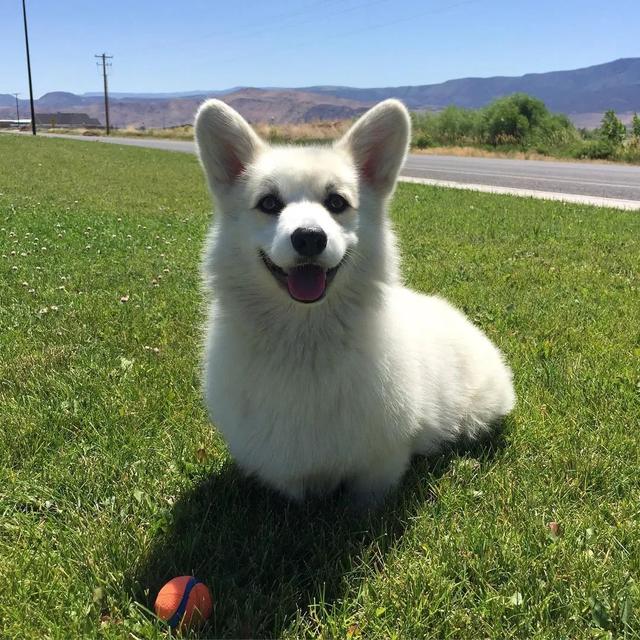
(257,105)
(291,105)
(59,100)
(613,85)
(156,96)
(584,94)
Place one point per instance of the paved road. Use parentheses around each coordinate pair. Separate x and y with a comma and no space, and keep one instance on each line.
(589,182)
(580,178)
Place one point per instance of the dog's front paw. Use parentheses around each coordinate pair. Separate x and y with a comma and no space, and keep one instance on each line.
(371,485)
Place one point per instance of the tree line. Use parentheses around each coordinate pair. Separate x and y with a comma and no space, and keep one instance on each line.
(520,122)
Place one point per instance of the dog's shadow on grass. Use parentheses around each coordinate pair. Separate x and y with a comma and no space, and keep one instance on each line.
(266,559)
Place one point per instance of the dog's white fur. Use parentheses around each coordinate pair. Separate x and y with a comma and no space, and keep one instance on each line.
(350,387)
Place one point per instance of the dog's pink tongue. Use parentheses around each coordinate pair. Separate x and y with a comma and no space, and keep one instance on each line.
(307,283)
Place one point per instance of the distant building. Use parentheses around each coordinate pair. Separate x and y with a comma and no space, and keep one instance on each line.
(61,119)
(10,123)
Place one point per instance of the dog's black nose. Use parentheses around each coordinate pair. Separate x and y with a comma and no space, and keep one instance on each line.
(309,242)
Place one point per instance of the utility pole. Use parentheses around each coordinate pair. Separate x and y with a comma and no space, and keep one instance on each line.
(105,64)
(26,42)
(17,109)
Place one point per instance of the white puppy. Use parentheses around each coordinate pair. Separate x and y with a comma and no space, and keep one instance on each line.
(320,367)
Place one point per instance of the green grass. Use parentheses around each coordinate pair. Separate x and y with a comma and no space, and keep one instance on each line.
(112,480)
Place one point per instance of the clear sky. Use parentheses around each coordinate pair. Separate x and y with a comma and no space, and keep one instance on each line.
(200,44)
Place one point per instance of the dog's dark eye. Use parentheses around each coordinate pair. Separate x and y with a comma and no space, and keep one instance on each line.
(270,204)
(335,203)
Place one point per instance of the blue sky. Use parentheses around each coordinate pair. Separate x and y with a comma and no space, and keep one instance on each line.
(197,44)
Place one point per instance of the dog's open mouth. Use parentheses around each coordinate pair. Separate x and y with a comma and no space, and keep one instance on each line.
(306,282)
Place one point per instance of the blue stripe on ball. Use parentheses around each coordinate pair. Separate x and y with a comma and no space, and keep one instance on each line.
(174,621)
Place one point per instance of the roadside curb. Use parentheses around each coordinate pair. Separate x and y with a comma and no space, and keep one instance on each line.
(614,203)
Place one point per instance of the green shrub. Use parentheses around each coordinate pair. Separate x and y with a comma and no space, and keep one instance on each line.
(631,151)
(520,122)
(596,150)
(453,126)
(517,122)
(516,118)
(422,141)
(611,129)
(635,127)
(456,125)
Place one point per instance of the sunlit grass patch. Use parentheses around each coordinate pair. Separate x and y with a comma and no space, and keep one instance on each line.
(112,480)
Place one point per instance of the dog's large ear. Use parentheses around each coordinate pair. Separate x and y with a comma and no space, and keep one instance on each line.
(226,143)
(378,143)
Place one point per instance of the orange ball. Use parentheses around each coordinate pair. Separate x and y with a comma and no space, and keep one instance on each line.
(184,601)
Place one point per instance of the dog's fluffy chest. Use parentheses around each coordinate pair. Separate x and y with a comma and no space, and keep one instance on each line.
(305,405)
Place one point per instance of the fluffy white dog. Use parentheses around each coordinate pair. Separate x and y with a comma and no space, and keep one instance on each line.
(320,367)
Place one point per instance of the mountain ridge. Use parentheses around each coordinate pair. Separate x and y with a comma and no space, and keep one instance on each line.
(587,91)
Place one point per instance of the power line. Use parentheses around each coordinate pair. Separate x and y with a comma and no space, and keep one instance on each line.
(105,64)
(333,15)
(249,29)
(297,46)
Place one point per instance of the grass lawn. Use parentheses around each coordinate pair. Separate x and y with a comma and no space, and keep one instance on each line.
(112,480)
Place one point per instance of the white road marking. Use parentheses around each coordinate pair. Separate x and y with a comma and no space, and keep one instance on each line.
(614,203)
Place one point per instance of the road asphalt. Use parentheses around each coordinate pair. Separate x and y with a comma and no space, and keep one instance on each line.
(616,185)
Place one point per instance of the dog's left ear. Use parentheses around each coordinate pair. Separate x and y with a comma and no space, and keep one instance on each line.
(226,143)
(378,143)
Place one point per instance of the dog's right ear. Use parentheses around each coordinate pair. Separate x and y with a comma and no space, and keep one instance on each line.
(226,143)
